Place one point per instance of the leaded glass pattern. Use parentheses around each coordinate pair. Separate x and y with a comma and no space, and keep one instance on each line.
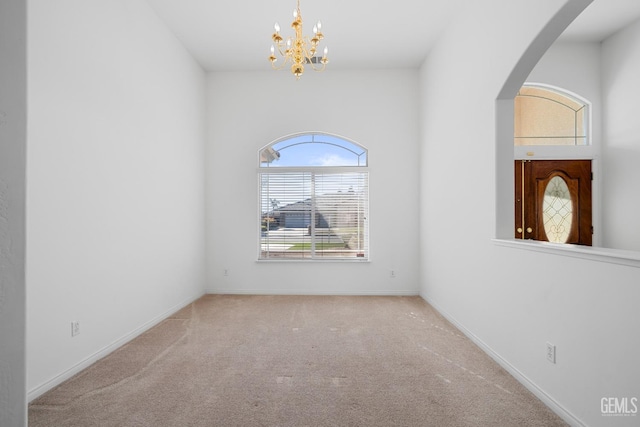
(557,210)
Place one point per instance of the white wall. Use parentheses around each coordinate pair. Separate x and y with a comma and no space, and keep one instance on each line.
(115,207)
(377,109)
(576,68)
(13,138)
(620,70)
(606,75)
(511,300)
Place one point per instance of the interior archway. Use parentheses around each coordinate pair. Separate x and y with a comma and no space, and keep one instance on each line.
(505,110)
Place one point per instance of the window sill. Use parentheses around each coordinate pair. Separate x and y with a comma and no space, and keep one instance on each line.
(315,260)
(607,255)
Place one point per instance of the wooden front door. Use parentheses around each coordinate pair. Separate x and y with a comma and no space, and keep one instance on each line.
(553,201)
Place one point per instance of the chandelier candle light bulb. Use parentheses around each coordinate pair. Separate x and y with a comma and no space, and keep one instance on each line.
(298,50)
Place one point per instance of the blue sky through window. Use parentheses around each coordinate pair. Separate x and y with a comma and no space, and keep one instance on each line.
(305,152)
(313,150)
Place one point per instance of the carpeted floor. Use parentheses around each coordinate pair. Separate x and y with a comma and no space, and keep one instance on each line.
(295,361)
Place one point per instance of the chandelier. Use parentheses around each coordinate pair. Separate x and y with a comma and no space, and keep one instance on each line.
(298,50)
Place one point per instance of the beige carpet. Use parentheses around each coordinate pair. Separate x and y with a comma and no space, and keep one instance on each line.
(295,361)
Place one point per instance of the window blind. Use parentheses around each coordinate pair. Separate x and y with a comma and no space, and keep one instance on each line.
(314,215)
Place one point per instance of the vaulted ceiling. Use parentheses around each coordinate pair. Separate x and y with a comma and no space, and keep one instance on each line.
(235,35)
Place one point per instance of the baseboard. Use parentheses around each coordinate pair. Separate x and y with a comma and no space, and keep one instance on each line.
(554,405)
(394,292)
(59,379)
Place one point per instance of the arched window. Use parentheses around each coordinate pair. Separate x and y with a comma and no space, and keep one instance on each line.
(314,198)
(545,115)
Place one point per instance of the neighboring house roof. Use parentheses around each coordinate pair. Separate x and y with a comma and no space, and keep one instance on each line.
(323,200)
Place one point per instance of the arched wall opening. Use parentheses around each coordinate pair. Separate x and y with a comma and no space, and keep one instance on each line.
(505,110)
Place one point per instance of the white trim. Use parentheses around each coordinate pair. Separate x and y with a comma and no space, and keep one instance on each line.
(390,292)
(38,391)
(355,260)
(551,403)
(559,90)
(313,169)
(592,253)
(554,152)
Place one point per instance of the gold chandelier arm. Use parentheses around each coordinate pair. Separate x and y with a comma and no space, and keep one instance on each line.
(283,50)
(317,63)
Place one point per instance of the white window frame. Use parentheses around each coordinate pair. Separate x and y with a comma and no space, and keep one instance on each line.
(587,151)
(363,253)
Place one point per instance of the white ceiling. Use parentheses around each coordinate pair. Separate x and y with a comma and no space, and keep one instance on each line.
(236,35)
(601,19)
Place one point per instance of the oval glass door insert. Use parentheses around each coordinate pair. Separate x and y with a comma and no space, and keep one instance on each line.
(557,210)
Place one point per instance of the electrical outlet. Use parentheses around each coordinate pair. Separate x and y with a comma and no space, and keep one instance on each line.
(225,272)
(551,352)
(75,328)
(392,274)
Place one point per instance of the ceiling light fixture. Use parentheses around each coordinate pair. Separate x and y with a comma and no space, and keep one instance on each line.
(298,50)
